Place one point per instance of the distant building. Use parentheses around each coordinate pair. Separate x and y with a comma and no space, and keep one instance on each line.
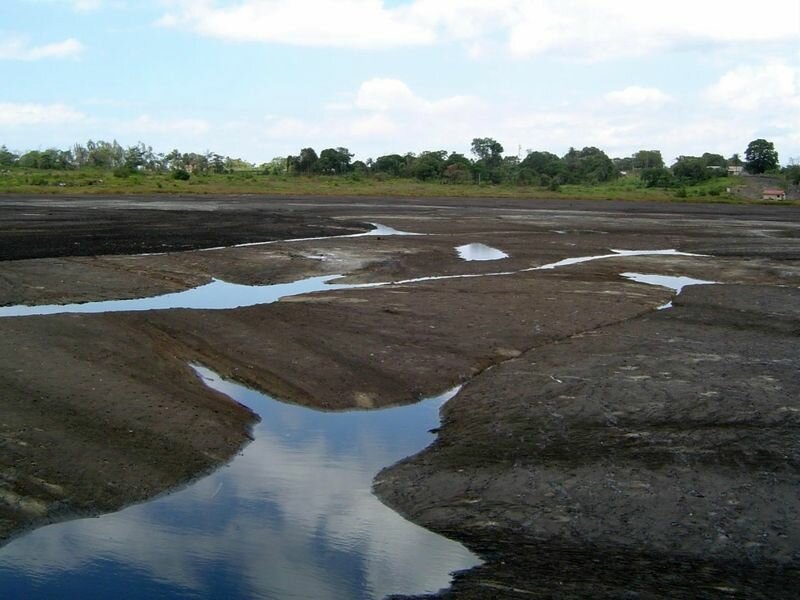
(773,194)
(735,170)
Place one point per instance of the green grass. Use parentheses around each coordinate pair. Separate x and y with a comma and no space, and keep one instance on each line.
(96,182)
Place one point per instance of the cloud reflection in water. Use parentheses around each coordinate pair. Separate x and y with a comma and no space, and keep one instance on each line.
(292,517)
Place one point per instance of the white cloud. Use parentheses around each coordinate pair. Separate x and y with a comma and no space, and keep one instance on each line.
(387,94)
(376,125)
(774,85)
(394,95)
(346,23)
(590,30)
(18,48)
(635,95)
(583,29)
(387,115)
(12,114)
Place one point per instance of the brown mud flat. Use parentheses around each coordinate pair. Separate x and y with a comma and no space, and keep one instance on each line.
(612,450)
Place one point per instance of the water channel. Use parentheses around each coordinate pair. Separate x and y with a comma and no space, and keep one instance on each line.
(222,295)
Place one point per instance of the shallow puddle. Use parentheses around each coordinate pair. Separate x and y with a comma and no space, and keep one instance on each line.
(293,516)
(480,252)
(673,282)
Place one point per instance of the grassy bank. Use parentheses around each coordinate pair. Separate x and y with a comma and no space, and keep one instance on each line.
(94,182)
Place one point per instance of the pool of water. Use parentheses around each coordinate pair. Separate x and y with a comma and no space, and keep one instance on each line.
(292,516)
(479,252)
(673,282)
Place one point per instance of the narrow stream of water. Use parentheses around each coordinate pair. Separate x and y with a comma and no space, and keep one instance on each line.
(292,517)
(378,230)
(221,295)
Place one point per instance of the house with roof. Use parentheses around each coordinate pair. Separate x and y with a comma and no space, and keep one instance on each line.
(735,170)
(773,194)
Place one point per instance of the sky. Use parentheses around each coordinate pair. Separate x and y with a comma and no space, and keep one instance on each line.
(262,78)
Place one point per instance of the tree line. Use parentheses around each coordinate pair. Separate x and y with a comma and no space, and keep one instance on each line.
(123,161)
(487,164)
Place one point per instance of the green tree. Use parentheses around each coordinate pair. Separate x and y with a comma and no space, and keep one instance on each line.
(488,150)
(589,165)
(623,164)
(105,155)
(714,160)
(647,159)
(690,170)
(489,153)
(428,165)
(7,158)
(334,161)
(135,157)
(459,160)
(760,156)
(216,162)
(277,166)
(792,172)
(173,160)
(537,164)
(656,177)
(234,164)
(391,164)
(30,160)
(307,161)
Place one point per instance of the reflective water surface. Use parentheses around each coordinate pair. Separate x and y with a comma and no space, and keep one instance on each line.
(675,283)
(221,295)
(479,252)
(293,516)
(217,295)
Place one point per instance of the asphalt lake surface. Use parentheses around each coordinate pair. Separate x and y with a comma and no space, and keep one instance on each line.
(293,516)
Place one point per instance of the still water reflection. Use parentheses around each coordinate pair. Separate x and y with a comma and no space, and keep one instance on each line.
(217,295)
(674,282)
(479,252)
(292,517)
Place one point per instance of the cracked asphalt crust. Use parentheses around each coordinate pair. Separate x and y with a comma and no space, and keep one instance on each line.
(612,450)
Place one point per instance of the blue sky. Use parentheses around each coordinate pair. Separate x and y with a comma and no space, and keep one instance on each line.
(262,78)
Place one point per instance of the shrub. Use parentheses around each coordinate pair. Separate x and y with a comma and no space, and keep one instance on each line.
(181,174)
